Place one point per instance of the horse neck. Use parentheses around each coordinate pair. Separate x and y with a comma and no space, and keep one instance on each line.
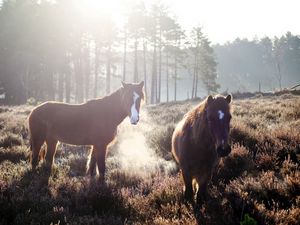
(113,107)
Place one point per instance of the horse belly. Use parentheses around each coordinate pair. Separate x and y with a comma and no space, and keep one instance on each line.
(74,139)
(70,132)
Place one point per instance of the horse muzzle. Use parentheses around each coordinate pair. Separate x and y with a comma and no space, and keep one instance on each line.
(223,151)
(134,120)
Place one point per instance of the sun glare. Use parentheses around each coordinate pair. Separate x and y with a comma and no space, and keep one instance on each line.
(95,8)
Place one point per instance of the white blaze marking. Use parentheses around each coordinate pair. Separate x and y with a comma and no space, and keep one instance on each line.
(221,114)
(134,113)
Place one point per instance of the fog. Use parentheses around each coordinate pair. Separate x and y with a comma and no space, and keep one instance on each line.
(133,153)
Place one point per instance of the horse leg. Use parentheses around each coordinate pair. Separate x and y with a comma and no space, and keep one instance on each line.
(35,145)
(202,190)
(91,167)
(188,187)
(51,149)
(100,153)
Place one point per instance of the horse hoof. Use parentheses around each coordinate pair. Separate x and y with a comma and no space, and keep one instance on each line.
(101,179)
(201,199)
(188,197)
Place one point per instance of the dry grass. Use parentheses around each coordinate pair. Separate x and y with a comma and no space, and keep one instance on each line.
(258,183)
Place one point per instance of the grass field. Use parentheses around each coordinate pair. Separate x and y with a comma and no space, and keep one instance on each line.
(258,183)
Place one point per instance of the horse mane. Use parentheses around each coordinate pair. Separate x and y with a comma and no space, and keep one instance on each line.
(112,95)
(196,121)
(117,93)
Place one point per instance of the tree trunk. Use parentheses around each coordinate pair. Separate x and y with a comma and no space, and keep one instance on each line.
(159,68)
(108,72)
(175,83)
(154,76)
(124,57)
(50,86)
(96,71)
(68,86)
(196,85)
(145,68)
(175,76)
(279,75)
(194,77)
(79,81)
(167,75)
(135,74)
(61,87)
(87,72)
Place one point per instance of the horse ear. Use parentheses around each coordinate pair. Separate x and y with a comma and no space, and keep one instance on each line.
(228,98)
(210,99)
(125,85)
(141,84)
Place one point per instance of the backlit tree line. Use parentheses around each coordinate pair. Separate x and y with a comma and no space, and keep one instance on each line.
(259,65)
(52,50)
(56,50)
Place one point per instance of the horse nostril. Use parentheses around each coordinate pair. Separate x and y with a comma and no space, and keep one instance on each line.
(134,121)
(219,150)
(222,152)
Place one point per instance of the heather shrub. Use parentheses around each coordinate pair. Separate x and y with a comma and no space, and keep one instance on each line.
(165,193)
(240,133)
(8,140)
(123,179)
(147,188)
(266,162)
(286,153)
(263,195)
(160,139)
(14,154)
(77,163)
(31,101)
(13,121)
(238,162)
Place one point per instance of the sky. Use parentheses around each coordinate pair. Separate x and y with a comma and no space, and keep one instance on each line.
(225,20)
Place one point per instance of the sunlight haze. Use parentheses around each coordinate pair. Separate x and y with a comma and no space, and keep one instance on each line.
(222,21)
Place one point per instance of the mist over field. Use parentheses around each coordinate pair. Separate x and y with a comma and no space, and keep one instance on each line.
(135,155)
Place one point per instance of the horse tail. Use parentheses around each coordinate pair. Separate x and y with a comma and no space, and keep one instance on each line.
(177,141)
(30,147)
(37,133)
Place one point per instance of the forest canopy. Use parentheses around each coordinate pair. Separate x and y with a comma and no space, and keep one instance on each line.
(70,51)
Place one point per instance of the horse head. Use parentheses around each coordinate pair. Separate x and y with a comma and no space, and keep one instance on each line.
(218,117)
(131,100)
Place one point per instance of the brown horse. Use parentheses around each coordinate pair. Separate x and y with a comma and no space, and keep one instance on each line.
(199,140)
(92,123)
